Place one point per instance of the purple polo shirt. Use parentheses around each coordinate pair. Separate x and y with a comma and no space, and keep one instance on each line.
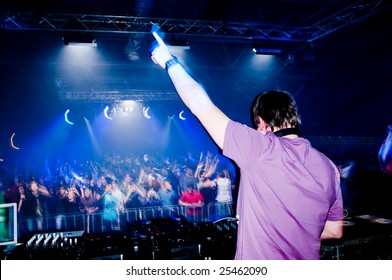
(287,191)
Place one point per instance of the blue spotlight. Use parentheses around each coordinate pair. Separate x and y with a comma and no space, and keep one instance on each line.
(109,114)
(145,112)
(66,117)
(180,115)
(266,51)
(12,142)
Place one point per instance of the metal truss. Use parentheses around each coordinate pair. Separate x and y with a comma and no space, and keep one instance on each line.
(357,12)
(217,29)
(113,96)
(114,24)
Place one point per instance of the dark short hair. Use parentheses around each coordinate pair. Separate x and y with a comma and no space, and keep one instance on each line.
(108,180)
(189,164)
(277,108)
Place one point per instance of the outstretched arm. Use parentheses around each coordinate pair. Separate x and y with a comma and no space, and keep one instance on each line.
(193,95)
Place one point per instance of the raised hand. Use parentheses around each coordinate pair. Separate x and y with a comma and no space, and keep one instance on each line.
(160,53)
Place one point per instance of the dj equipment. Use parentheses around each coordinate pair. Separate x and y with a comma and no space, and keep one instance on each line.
(172,238)
(364,237)
(217,239)
(52,245)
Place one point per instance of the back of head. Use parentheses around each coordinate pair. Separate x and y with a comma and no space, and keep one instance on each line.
(190,185)
(221,174)
(277,108)
(108,179)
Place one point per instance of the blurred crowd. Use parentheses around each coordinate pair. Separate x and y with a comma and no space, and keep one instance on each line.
(115,183)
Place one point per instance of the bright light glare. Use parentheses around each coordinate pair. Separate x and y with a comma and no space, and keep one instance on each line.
(106,112)
(145,112)
(66,117)
(180,115)
(83,45)
(265,60)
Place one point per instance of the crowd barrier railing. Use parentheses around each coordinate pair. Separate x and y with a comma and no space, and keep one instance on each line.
(95,223)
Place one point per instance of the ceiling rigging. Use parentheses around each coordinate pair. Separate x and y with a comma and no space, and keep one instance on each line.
(96,23)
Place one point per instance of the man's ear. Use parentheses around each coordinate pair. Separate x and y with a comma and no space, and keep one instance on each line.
(263,127)
(261,123)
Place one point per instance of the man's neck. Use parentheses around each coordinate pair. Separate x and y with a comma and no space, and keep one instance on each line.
(289,132)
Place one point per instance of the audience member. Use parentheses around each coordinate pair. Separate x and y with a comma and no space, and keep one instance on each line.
(72,209)
(152,198)
(135,196)
(224,195)
(193,200)
(167,195)
(61,197)
(204,171)
(89,205)
(110,207)
(187,177)
(34,198)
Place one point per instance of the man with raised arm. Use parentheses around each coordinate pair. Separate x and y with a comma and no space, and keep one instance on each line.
(289,196)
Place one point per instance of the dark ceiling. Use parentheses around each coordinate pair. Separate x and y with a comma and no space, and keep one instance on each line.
(335,58)
(280,12)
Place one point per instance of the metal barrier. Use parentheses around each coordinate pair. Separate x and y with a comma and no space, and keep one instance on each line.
(219,210)
(94,223)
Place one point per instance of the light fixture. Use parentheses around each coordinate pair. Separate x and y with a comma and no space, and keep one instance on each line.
(109,112)
(145,112)
(12,142)
(79,39)
(269,51)
(66,117)
(180,115)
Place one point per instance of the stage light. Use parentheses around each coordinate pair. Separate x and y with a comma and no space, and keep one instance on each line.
(80,40)
(266,51)
(128,105)
(180,115)
(12,142)
(66,117)
(145,112)
(110,113)
(290,59)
